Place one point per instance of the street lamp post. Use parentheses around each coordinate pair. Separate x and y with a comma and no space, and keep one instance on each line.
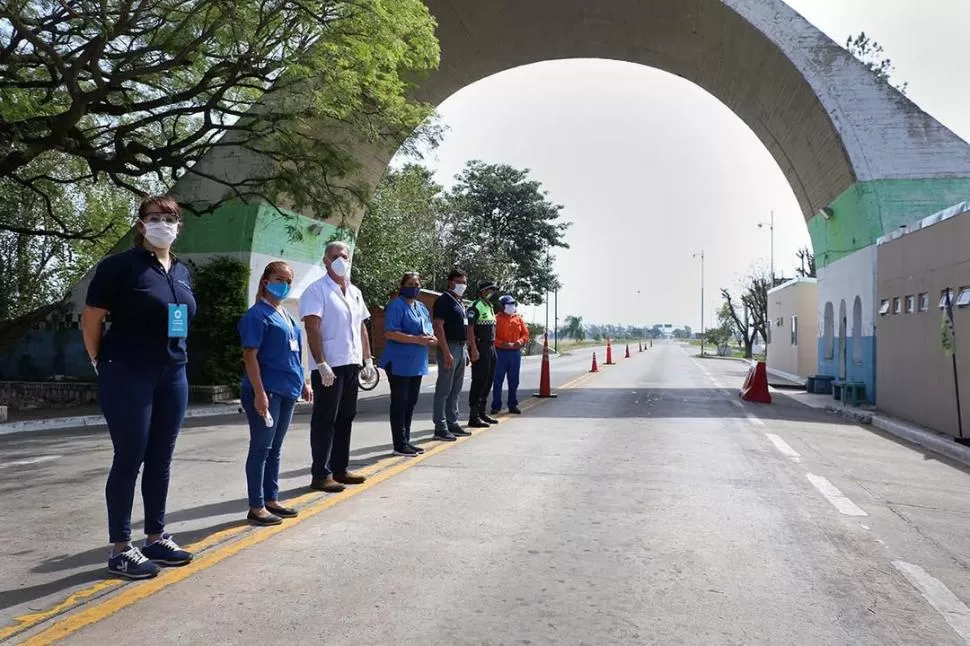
(771,228)
(701,254)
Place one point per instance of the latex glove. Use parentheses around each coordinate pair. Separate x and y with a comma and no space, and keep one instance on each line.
(326,374)
(368,371)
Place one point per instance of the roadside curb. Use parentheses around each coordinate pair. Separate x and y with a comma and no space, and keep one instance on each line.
(97,421)
(936,442)
(910,433)
(93,421)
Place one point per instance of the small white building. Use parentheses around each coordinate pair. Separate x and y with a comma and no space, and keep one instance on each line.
(792,346)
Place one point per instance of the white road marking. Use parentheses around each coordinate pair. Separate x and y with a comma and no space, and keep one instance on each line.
(782,446)
(954,611)
(834,496)
(754,419)
(38,460)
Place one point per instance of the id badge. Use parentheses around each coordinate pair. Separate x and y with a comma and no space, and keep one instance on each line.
(178,321)
(294,346)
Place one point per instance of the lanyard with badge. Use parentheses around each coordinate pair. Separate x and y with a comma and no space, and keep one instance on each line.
(178,314)
(294,344)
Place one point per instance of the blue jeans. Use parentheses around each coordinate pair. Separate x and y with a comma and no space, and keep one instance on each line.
(265,443)
(144,405)
(509,364)
(448,387)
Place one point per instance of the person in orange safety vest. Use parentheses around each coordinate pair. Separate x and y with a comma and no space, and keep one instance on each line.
(511,335)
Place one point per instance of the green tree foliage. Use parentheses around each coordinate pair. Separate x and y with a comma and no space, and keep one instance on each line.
(400,232)
(871,54)
(37,268)
(683,333)
(573,328)
(146,89)
(495,223)
(215,351)
(501,226)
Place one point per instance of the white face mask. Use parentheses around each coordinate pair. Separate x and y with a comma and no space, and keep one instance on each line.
(510,309)
(340,267)
(459,289)
(161,235)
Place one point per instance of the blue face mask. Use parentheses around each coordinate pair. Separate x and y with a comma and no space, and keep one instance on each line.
(278,290)
(410,292)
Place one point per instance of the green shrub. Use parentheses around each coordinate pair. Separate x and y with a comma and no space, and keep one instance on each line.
(215,353)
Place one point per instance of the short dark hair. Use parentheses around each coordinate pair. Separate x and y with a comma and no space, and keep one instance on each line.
(456,273)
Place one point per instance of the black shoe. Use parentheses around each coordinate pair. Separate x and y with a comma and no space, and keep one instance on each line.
(282,512)
(515,410)
(405,451)
(264,521)
(415,447)
(444,437)
(488,420)
(477,422)
(495,411)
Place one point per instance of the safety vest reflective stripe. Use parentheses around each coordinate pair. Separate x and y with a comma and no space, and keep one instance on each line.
(486,316)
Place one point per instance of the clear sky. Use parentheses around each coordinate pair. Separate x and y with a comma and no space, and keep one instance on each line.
(651,169)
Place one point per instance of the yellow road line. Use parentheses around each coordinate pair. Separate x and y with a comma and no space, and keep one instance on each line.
(132,593)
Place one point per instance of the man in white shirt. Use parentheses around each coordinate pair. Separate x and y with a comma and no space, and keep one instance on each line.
(333,313)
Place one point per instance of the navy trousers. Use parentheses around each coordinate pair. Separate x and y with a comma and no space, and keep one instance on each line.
(508,364)
(144,405)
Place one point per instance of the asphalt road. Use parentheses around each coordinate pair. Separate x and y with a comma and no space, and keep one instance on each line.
(646,505)
(55,542)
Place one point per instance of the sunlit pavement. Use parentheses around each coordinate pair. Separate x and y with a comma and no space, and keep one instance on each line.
(645,505)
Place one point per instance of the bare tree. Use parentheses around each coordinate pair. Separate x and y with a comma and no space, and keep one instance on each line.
(807,259)
(752,320)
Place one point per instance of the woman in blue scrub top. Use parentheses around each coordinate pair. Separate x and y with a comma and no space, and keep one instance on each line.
(274,380)
(142,387)
(409,334)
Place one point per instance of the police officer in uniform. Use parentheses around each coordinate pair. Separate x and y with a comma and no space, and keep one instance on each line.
(481,346)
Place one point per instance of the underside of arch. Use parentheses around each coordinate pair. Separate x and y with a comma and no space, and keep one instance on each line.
(851,147)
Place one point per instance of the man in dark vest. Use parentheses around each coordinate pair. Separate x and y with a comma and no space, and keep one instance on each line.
(481,346)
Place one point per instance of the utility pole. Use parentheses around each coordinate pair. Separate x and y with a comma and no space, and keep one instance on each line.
(547,293)
(701,254)
(555,317)
(771,229)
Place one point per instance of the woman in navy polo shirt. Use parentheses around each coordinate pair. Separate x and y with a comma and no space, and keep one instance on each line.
(409,334)
(272,351)
(142,388)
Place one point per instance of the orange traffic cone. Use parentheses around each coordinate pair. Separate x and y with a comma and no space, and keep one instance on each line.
(545,388)
(627,351)
(755,388)
(609,353)
(595,367)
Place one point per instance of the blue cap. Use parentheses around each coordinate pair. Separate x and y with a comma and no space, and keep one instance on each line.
(507,300)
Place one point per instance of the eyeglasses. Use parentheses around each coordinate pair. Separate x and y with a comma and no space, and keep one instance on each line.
(161,216)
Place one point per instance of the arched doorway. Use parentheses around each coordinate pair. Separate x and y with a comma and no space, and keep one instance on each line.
(843,342)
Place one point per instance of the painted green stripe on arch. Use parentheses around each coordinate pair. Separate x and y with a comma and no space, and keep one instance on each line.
(867,210)
(244,228)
